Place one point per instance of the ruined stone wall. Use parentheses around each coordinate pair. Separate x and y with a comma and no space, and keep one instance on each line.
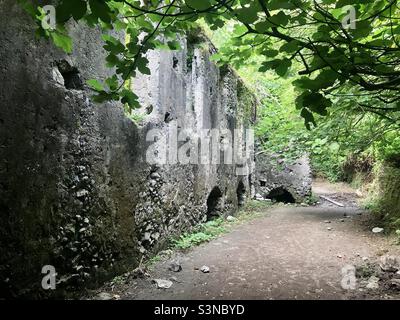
(279,181)
(76,191)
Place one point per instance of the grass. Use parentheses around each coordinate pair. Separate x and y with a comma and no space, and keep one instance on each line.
(206,232)
(366,270)
(136,117)
(212,229)
(118,280)
(391,225)
(203,233)
(312,199)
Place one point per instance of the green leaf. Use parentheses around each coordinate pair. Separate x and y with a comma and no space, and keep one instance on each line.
(113,45)
(28,6)
(280,19)
(216,57)
(283,67)
(173,45)
(95,85)
(67,8)
(79,8)
(308,118)
(130,98)
(101,10)
(62,41)
(198,4)
(280,4)
(102,96)
(315,102)
(247,15)
(112,60)
(334,147)
(239,29)
(141,64)
(290,47)
(363,29)
(263,26)
(112,83)
(270,53)
(280,66)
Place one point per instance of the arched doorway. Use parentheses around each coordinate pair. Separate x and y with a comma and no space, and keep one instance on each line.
(241,194)
(214,203)
(280,194)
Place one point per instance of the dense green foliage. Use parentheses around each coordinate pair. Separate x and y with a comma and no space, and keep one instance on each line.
(344,141)
(384,199)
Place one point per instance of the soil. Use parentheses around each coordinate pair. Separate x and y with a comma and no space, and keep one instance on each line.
(289,252)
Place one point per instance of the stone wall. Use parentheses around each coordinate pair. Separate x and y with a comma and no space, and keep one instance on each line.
(282,182)
(76,189)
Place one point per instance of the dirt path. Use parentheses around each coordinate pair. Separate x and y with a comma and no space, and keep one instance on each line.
(288,253)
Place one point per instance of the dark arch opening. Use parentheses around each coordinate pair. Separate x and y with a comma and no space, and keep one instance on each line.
(71,75)
(241,193)
(280,194)
(175,62)
(214,203)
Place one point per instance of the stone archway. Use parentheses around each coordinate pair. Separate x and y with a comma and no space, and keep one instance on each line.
(214,203)
(241,193)
(280,194)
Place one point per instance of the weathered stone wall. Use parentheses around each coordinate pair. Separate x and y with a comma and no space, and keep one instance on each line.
(76,191)
(189,94)
(273,179)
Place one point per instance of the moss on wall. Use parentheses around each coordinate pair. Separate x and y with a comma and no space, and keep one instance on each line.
(385,194)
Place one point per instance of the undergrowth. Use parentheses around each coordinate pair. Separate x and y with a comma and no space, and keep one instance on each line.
(203,233)
(312,199)
(212,229)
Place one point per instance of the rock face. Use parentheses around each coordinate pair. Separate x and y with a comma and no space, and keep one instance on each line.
(190,101)
(79,187)
(285,183)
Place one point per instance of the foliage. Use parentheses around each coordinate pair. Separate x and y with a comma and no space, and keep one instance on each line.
(153,260)
(388,148)
(251,207)
(203,233)
(136,117)
(384,198)
(212,229)
(312,199)
(334,58)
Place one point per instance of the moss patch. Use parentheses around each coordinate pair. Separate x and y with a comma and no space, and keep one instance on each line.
(385,197)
